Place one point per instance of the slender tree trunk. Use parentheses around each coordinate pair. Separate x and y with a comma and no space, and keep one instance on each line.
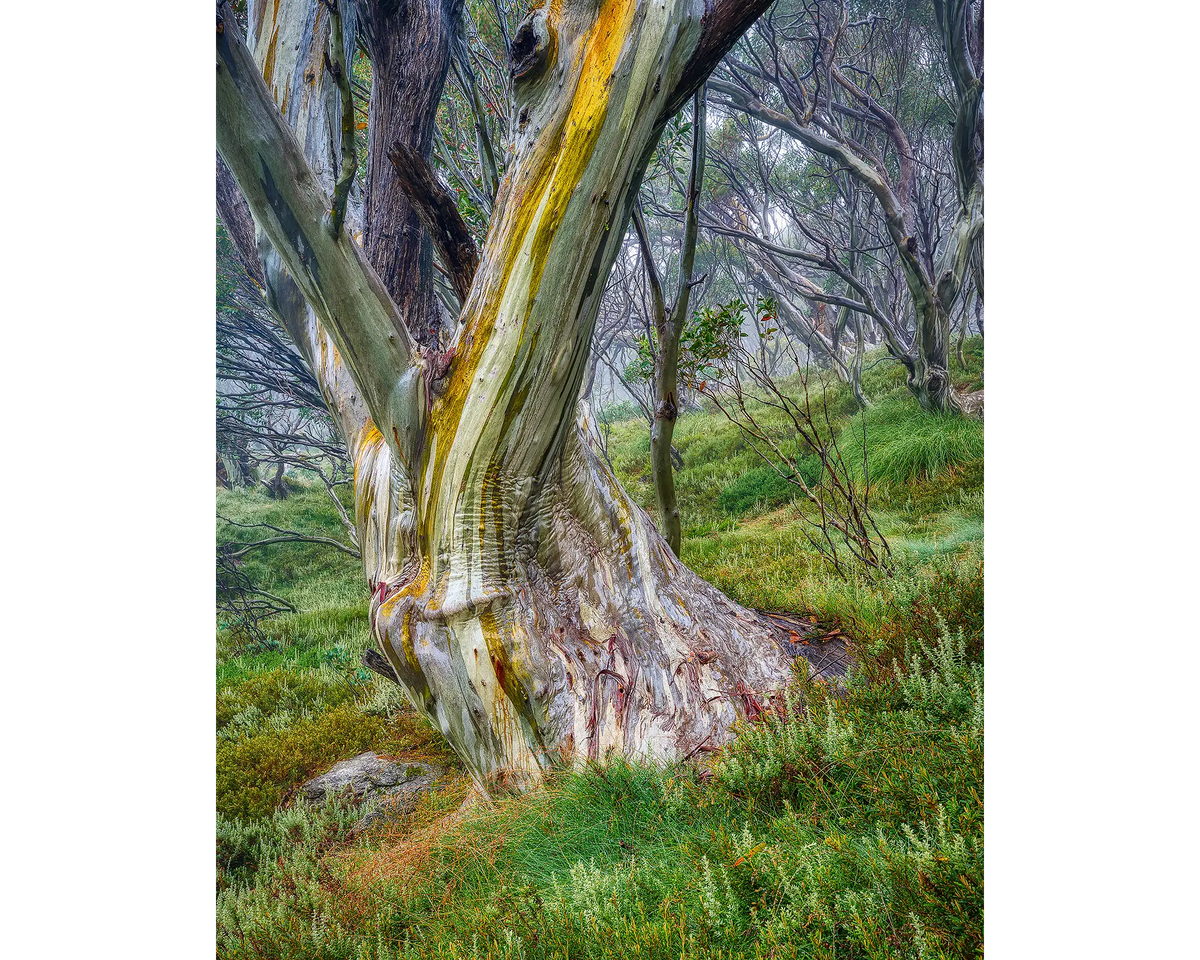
(277,485)
(962,333)
(929,373)
(662,432)
(669,325)
(527,605)
(856,364)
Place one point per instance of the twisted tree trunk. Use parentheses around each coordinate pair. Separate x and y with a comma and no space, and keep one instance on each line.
(527,605)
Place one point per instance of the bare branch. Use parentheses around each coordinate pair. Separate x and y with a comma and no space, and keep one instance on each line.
(436,208)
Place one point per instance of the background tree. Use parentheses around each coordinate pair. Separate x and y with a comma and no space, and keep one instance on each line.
(859,94)
(669,322)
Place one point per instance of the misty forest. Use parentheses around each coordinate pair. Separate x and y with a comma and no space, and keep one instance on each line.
(599,478)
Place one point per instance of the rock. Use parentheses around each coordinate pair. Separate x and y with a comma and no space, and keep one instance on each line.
(369,775)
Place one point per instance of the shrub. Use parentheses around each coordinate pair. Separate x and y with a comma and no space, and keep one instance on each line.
(764,489)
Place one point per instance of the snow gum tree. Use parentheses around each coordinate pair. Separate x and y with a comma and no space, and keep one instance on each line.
(527,605)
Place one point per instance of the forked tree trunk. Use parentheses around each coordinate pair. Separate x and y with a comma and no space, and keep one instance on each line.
(528,606)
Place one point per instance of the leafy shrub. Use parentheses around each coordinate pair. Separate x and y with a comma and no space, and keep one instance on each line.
(764,489)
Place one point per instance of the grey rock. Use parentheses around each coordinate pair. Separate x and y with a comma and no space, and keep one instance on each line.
(369,775)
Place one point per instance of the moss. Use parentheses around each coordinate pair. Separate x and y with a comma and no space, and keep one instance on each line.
(257,772)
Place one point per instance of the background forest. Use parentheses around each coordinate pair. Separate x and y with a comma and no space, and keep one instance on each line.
(787,375)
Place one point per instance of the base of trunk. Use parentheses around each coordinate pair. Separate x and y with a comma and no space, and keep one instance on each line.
(585,638)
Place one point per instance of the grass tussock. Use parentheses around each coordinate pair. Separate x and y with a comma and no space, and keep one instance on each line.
(896,444)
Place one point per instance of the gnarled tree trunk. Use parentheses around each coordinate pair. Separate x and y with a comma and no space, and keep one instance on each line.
(528,606)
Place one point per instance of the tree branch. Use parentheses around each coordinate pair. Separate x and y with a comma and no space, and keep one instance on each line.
(349,165)
(287,201)
(722,24)
(435,207)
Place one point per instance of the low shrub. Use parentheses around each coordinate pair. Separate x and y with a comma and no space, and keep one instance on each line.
(764,489)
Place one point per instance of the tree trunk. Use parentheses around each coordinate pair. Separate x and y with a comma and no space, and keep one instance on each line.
(962,333)
(527,605)
(929,373)
(277,485)
(409,47)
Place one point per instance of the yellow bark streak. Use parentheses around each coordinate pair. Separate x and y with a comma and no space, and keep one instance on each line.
(269,65)
(544,193)
(414,588)
(589,109)
(365,452)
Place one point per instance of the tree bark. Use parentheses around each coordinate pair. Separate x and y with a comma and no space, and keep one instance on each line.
(409,46)
(526,604)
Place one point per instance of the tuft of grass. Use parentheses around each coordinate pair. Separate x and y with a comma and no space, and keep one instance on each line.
(901,444)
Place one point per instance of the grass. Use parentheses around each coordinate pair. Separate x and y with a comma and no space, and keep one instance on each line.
(896,442)
(847,825)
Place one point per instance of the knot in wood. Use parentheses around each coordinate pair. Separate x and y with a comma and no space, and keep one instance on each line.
(530,51)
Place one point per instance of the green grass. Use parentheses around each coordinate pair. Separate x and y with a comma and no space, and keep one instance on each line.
(896,443)
(849,826)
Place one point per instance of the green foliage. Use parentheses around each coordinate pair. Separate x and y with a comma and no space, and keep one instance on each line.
(289,708)
(707,340)
(764,488)
(904,443)
(251,850)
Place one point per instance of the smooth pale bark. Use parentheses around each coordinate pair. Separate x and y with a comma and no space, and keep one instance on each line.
(527,605)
